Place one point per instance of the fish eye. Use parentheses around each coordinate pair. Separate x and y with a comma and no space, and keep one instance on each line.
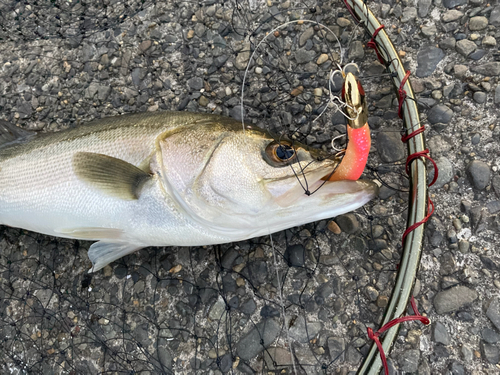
(280,152)
(284,152)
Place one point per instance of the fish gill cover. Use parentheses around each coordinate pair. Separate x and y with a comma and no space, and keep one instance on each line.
(298,302)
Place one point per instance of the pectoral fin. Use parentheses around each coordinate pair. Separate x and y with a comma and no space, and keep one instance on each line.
(112,176)
(102,253)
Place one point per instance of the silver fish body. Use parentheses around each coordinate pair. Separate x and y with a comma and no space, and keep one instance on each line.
(170,178)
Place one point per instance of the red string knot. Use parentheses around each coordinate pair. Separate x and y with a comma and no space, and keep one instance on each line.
(402,93)
(372,44)
(406,138)
(375,335)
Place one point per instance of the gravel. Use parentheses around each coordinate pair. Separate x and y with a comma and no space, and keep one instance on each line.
(216,309)
(257,339)
(465,47)
(454,299)
(440,114)
(348,223)
(479,174)
(428,58)
(441,334)
(389,147)
(493,312)
(487,69)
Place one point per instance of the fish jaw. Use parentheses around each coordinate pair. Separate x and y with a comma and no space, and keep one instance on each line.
(333,198)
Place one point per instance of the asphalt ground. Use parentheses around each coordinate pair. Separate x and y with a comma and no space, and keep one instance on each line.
(303,302)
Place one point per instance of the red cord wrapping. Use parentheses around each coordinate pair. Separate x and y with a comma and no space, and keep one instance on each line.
(402,94)
(430,209)
(424,154)
(372,44)
(375,335)
(430,204)
(405,138)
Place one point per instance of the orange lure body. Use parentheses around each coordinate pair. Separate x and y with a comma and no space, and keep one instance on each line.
(356,155)
(358,132)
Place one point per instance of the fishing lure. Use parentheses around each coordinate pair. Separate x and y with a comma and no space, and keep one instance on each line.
(358,132)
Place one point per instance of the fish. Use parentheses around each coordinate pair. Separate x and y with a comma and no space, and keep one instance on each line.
(166,179)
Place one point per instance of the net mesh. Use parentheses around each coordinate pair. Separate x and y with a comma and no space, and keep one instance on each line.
(297,302)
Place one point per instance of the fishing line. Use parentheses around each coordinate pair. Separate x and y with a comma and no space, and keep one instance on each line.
(282,302)
(252,56)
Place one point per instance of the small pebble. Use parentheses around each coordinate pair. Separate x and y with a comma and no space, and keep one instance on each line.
(463,246)
(390,147)
(441,334)
(322,59)
(448,43)
(429,31)
(371,293)
(305,36)
(460,70)
(452,15)
(333,227)
(409,360)
(437,94)
(490,352)
(479,174)
(479,97)
(453,299)
(465,47)
(297,91)
(440,114)
(493,312)
(487,69)
(489,41)
(478,23)
(108,271)
(474,36)
(145,45)
(343,22)
(427,59)
(203,101)
(348,223)
(295,255)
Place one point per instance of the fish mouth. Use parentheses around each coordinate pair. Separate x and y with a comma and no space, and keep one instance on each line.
(344,187)
(316,183)
(330,199)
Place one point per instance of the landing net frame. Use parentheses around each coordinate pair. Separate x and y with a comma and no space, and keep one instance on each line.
(418,203)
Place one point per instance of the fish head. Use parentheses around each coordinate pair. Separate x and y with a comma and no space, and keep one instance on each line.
(247,180)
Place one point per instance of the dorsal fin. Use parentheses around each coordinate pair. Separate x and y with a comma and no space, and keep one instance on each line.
(112,176)
(10,133)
